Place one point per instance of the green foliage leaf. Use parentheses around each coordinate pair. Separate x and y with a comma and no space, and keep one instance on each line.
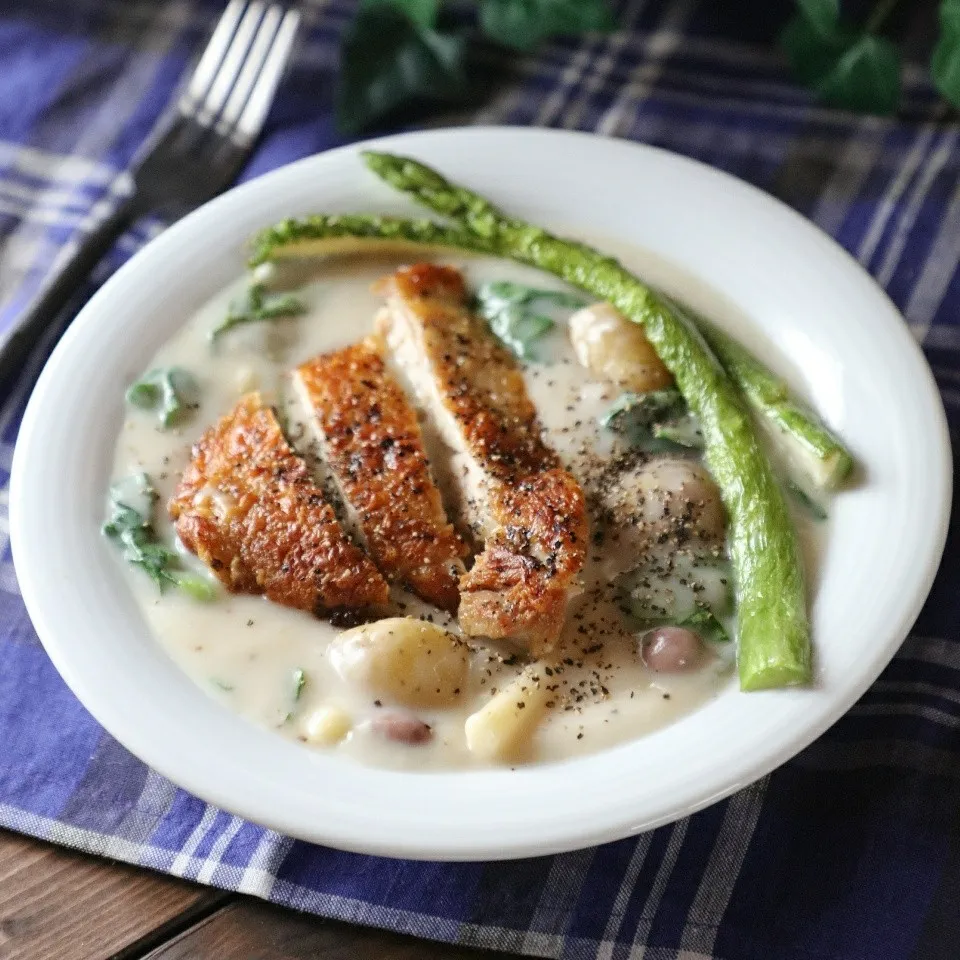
(822,15)
(811,54)
(514,313)
(945,64)
(522,24)
(846,69)
(388,60)
(422,12)
(866,77)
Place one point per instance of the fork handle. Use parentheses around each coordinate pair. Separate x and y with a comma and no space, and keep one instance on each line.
(77,263)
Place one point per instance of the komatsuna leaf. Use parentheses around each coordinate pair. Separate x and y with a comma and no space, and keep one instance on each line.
(945,63)
(388,60)
(423,12)
(522,24)
(514,313)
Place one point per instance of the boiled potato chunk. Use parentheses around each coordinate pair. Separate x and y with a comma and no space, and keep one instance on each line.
(502,730)
(614,348)
(403,660)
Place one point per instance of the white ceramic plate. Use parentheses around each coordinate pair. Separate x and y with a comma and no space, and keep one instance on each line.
(848,348)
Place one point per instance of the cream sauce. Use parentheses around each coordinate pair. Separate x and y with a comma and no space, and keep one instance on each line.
(248,652)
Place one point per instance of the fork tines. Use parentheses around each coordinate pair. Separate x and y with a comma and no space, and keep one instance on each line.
(233,85)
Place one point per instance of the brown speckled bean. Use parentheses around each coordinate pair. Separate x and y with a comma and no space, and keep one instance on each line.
(401,728)
(672,650)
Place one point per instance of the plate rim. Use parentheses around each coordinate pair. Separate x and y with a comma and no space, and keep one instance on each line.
(468,848)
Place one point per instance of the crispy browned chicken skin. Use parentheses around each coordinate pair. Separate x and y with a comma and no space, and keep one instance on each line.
(529,511)
(371,442)
(247,506)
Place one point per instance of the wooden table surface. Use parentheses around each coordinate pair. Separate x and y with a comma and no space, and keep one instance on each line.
(56,904)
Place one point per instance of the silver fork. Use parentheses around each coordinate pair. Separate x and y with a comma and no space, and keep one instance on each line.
(195,152)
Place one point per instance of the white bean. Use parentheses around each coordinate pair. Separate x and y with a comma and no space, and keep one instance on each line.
(327,725)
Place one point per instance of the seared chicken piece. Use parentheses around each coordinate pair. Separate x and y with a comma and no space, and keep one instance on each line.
(371,443)
(247,506)
(528,511)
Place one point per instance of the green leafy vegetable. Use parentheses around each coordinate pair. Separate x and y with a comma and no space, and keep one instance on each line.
(660,591)
(945,65)
(130,505)
(391,57)
(707,625)
(815,509)
(523,24)
(172,391)
(684,432)
(657,422)
(199,588)
(299,682)
(258,306)
(513,312)
(644,409)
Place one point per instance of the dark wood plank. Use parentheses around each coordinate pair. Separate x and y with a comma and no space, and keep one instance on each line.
(61,904)
(252,930)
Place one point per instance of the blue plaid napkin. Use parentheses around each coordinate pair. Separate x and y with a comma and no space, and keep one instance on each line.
(850,851)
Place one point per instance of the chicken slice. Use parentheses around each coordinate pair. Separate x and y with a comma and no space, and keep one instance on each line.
(527,510)
(248,507)
(371,443)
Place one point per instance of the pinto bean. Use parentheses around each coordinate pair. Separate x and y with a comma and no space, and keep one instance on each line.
(401,728)
(672,650)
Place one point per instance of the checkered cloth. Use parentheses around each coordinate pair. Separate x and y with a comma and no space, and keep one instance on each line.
(852,850)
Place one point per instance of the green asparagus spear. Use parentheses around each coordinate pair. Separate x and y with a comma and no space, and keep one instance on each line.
(810,446)
(774,634)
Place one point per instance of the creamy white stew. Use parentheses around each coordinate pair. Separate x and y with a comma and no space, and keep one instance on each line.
(465,702)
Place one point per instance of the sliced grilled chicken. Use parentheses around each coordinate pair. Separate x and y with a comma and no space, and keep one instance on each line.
(528,511)
(371,443)
(247,506)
